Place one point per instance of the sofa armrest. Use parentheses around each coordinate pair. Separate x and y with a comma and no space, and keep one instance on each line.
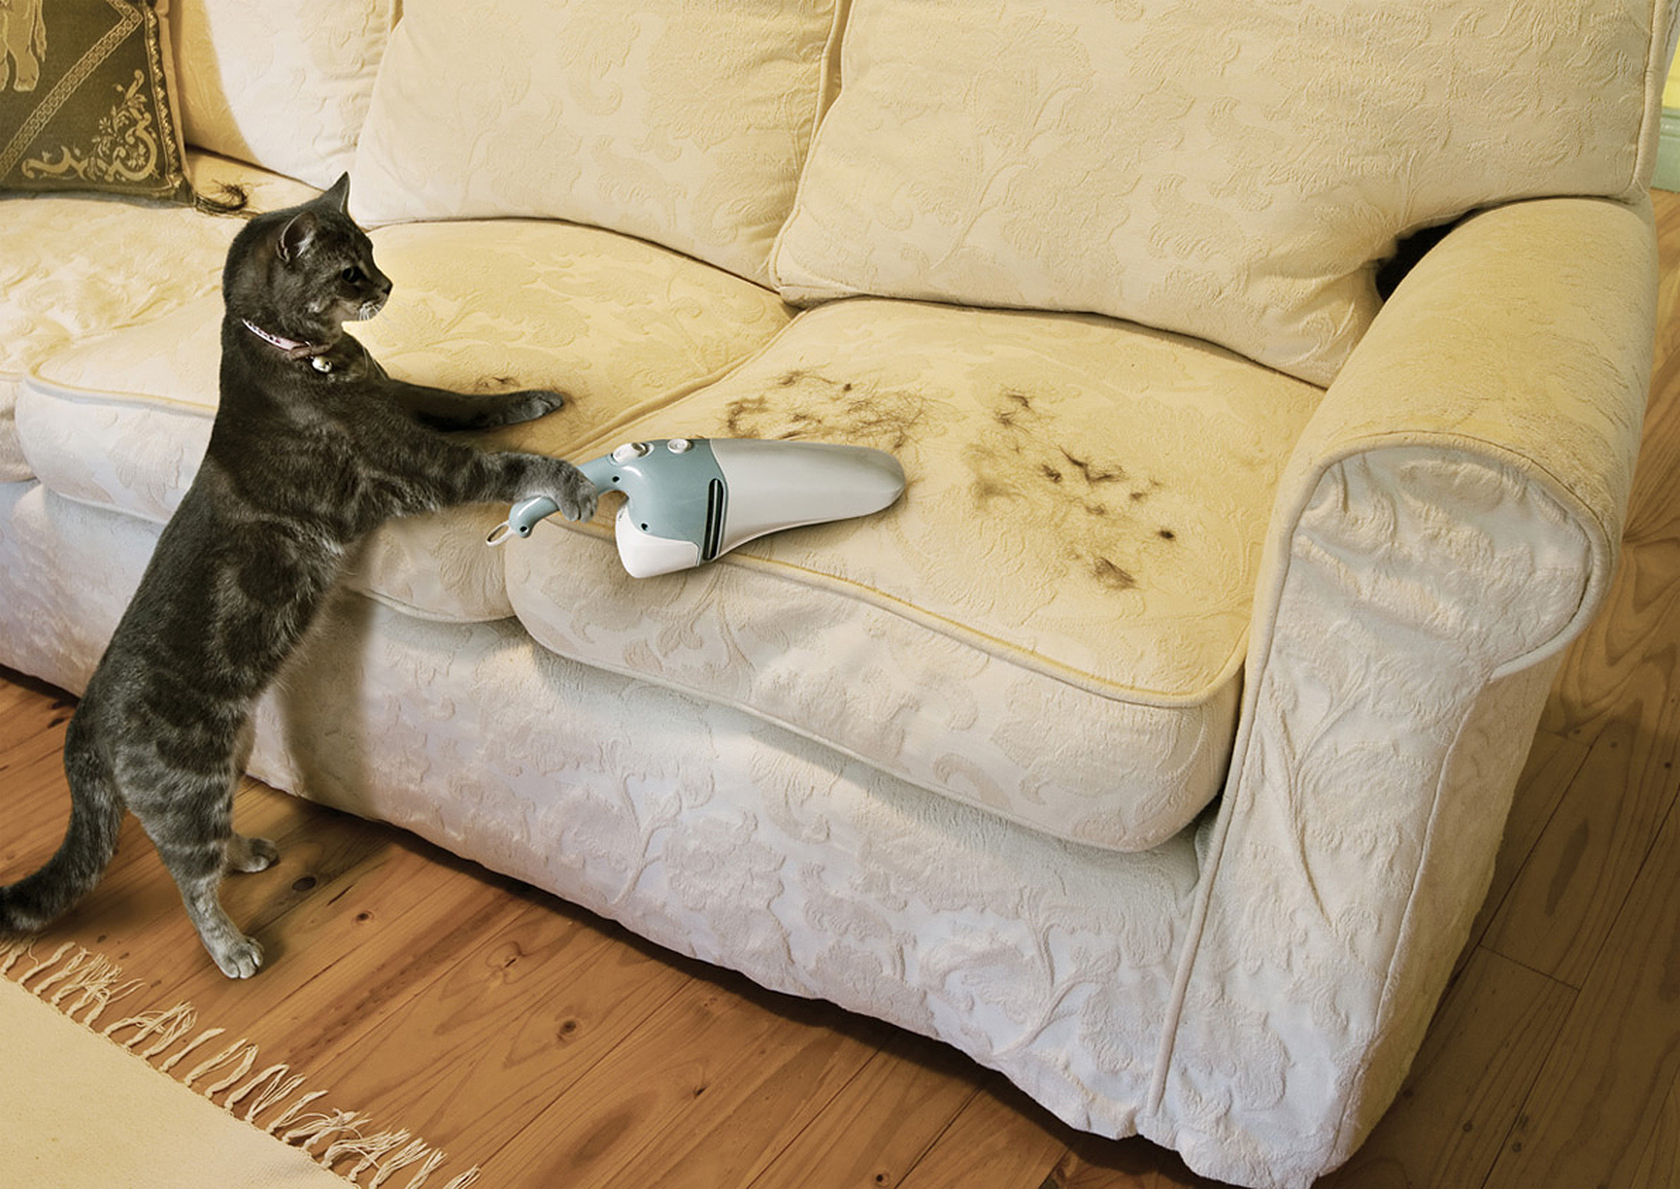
(1449,519)
(1524,338)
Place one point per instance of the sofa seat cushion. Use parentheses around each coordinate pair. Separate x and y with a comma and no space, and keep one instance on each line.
(74,266)
(121,421)
(1049,624)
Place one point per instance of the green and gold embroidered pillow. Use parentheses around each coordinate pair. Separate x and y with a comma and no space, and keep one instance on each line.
(85,99)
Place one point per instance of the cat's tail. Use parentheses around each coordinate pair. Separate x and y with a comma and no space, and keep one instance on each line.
(96,813)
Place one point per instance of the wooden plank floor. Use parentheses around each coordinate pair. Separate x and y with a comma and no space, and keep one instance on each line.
(556,1050)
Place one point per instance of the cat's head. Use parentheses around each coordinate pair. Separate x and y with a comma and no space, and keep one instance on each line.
(306,270)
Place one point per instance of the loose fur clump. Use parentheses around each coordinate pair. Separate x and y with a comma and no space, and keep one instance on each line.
(313,447)
(230,198)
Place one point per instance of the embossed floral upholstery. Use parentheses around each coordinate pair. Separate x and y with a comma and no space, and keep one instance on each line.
(1229,169)
(596,116)
(1154,748)
(1051,626)
(284,84)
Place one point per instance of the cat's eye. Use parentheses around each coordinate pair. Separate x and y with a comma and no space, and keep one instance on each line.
(353,275)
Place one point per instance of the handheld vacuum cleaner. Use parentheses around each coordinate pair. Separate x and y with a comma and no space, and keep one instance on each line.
(691,500)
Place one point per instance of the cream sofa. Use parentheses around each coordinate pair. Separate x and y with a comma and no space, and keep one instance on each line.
(1155,748)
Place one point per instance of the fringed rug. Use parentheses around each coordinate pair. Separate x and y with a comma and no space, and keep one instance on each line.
(149,1101)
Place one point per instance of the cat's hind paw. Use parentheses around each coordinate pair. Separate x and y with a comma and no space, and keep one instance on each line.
(251,854)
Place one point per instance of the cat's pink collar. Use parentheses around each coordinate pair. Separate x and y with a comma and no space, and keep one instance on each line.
(289,346)
(310,351)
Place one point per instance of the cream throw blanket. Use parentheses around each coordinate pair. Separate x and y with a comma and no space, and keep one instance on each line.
(82,1110)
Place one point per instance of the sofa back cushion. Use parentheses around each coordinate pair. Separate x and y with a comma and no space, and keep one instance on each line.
(283,84)
(1231,169)
(676,121)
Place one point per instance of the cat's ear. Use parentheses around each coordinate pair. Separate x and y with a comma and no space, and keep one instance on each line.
(339,196)
(296,234)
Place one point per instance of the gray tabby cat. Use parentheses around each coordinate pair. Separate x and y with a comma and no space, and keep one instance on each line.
(312,448)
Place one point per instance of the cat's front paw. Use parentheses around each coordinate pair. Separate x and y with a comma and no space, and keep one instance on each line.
(577,496)
(531,404)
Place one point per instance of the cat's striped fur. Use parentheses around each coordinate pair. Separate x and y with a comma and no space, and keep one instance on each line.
(313,446)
